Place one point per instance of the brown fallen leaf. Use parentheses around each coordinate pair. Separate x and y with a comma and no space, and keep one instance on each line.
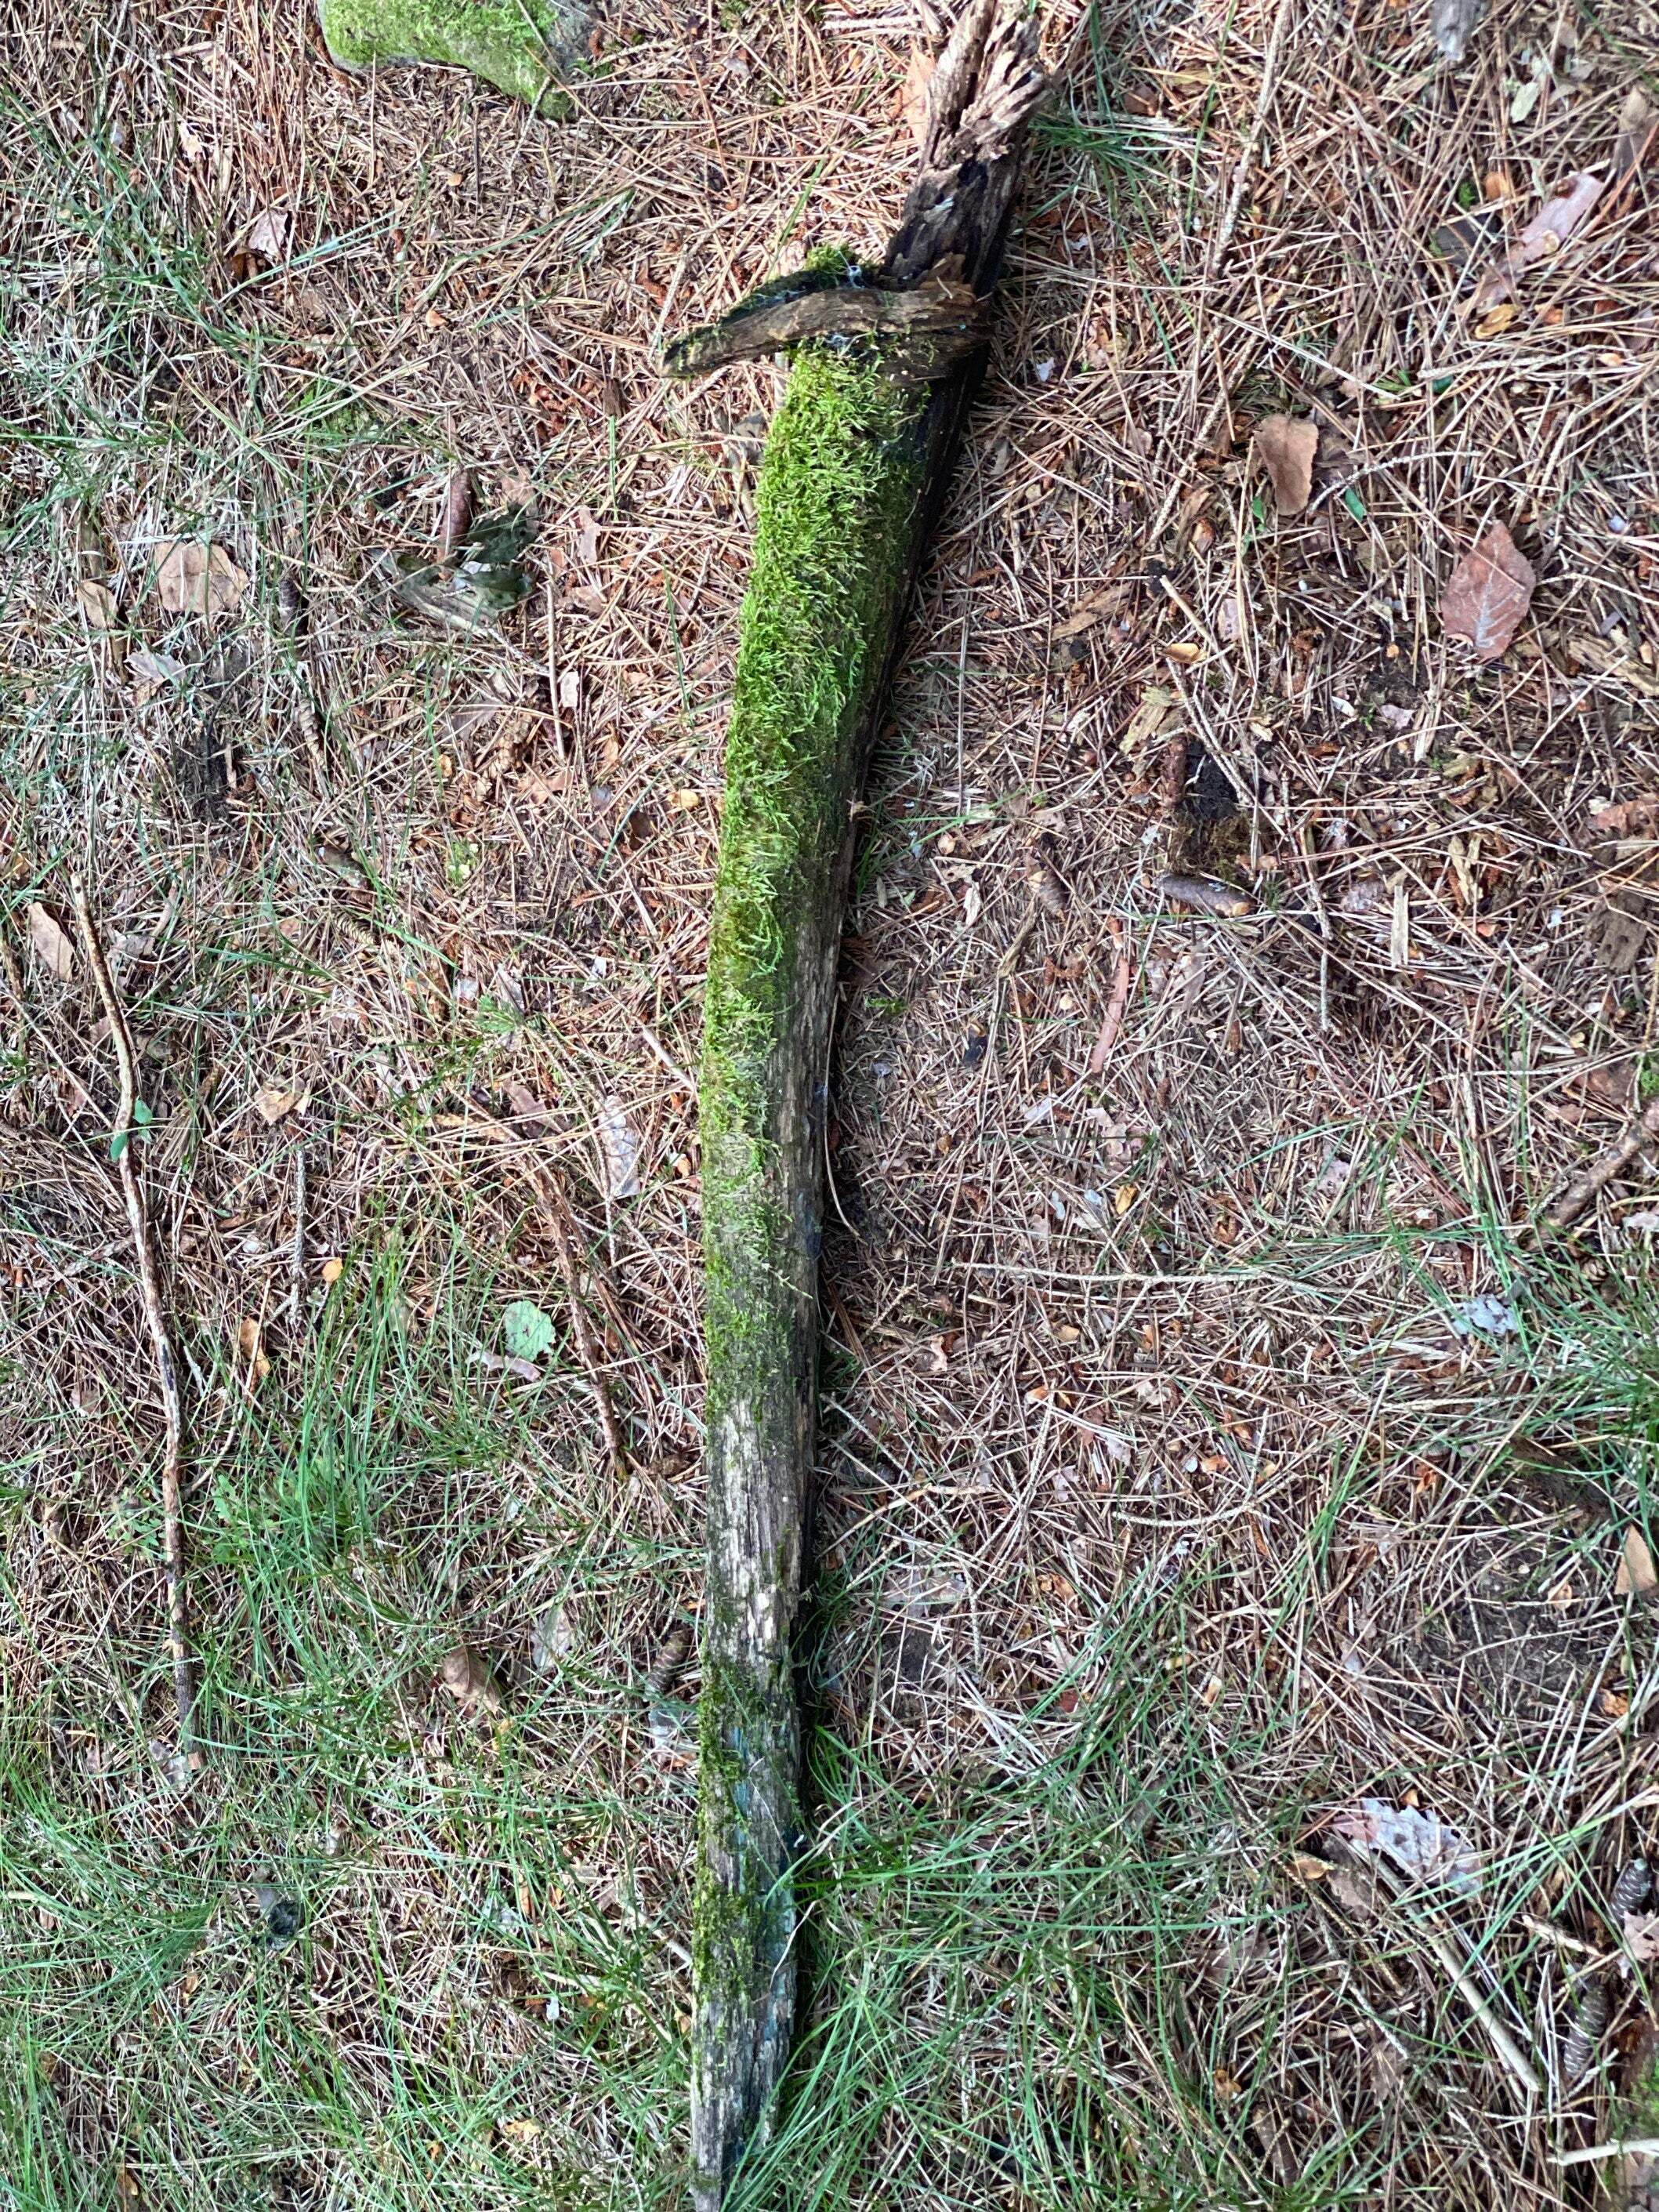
(469,1682)
(249,1346)
(52,947)
(1159,706)
(272,1104)
(1637,1575)
(268,235)
(912,101)
(1089,610)
(97,604)
(1285,444)
(194,578)
(1555,222)
(1487,593)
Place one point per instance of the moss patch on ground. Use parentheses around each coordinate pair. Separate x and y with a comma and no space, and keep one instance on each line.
(526,47)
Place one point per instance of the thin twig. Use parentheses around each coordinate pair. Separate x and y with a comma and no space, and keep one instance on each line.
(561,1233)
(166,1375)
(297,1255)
(1637,2147)
(1606,1168)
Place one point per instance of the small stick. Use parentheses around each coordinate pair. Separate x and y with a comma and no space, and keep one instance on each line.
(1117,1006)
(1637,2147)
(1324,915)
(297,1260)
(555,1219)
(1605,1169)
(1457,1967)
(1020,939)
(166,1374)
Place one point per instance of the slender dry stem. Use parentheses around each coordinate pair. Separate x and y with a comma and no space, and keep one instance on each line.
(166,1374)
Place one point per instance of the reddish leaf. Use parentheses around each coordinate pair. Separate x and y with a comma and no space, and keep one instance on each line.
(1487,593)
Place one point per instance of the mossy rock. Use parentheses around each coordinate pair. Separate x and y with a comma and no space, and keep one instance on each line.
(529,48)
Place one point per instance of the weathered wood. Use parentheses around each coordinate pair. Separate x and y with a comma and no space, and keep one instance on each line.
(916,336)
(855,471)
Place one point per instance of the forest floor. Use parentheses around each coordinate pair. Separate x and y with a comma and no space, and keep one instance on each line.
(1208,1445)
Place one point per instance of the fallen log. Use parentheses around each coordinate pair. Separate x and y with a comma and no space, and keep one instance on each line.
(853,475)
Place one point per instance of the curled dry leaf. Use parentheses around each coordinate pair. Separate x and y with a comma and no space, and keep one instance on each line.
(469,1682)
(1555,222)
(1487,593)
(1641,1931)
(250,1348)
(194,578)
(1284,446)
(52,947)
(458,511)
(1637,1576)
(272,1104)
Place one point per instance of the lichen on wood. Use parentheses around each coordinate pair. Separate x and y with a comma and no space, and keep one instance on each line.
(528,48)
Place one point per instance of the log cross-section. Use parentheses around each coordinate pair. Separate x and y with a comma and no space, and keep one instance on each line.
(856,469)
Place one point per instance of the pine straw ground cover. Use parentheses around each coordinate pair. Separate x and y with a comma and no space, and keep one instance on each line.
(1165,1509)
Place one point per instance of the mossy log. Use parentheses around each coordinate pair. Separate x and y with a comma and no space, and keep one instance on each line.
(853,473)
(529,48)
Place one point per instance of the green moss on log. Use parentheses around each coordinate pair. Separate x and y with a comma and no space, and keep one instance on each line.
(838,514)
(526,47)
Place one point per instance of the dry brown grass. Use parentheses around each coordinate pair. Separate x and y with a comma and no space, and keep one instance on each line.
(1163,1508)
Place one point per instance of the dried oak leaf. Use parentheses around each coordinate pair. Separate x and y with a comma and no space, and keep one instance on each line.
(194,578)
(52,947)
(1285,444)
(1487,593)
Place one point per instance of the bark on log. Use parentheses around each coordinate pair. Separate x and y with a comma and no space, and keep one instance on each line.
(855,472)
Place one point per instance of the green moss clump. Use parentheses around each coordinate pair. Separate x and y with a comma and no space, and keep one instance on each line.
(838,487)
(524,46)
